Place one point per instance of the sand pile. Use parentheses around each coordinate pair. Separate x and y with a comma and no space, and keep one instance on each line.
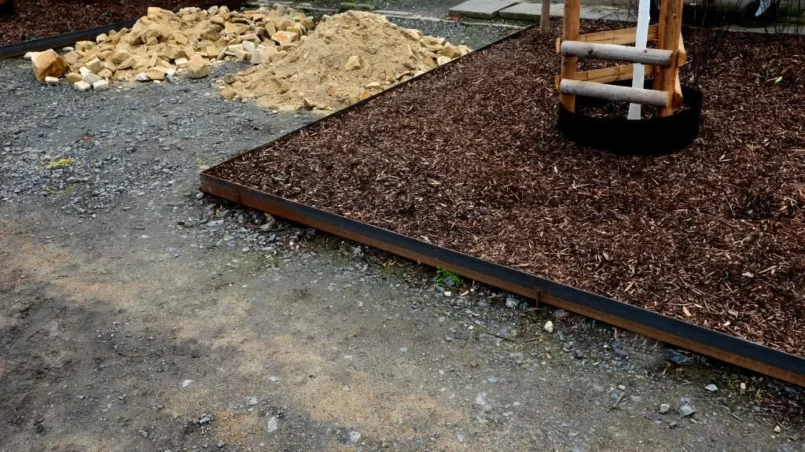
(163,43)
(348,57)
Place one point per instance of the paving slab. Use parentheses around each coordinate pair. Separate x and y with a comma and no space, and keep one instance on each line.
(481,9)
(531,12)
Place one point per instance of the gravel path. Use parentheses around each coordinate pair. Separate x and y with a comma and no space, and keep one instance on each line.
(139,315)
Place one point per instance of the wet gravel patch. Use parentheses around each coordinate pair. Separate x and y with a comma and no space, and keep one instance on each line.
(84,151)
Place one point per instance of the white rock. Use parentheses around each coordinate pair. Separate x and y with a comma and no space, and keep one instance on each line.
(170,75)
(777,429)
(52,81)
(664,408)
(512,302)
(248,46)
(67,49)
(101,85)
(91,78)
(142,77)
(273,424)
(354,437)
(82,86)
(29,55)
(711,387)
(257,57)
(548,326)
(180,62)
(187,383)
(84,71)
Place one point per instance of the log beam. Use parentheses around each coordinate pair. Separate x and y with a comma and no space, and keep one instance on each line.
(616,93)
(656,57)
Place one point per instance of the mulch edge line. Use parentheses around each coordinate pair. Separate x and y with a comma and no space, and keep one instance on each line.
(706,341)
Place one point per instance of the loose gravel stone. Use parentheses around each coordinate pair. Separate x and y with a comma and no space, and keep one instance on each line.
(686,410)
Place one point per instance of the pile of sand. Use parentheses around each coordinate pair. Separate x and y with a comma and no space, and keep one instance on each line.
(163,43)
(347,58)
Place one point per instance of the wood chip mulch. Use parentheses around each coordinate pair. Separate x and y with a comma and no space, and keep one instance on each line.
(468,158)
(37,19)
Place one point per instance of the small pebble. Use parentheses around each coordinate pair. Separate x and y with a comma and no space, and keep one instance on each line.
(686,410)
(548,326)
(711,387)
(664,408)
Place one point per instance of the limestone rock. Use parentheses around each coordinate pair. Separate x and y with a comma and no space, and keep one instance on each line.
(48,64)
(441,59)
(353,62)
(142,77)
(100,85)
(95,66)
(118,56)
(155,74)
(450,51)
(91,78)
(82,86)
(128,63)
(197,67)
(84,45)
(180,62)
(230,79)
(51,81)
(228,93)
(71,57)
(73,77)
(284,37)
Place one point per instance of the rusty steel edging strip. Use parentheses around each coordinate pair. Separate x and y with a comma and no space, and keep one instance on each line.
(68,39)
(702,340)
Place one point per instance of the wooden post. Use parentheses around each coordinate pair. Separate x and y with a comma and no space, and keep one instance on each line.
(668,36)
(545,18)
(570,32)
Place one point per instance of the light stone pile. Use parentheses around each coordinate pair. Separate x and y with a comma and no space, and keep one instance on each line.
(347,58)
(163,44)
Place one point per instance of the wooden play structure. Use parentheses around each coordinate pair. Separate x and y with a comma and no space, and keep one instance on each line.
(661,63)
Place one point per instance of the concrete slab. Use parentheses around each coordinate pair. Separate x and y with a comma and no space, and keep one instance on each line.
(481,9)
(531,12)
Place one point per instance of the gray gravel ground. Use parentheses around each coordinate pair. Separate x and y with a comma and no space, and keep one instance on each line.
(139,315)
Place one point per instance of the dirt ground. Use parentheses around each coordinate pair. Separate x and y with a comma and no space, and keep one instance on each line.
(136,314)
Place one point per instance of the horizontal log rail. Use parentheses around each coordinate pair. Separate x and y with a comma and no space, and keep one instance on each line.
(656,57)
(616,93)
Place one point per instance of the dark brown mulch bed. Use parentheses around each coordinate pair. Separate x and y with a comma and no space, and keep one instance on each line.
(37,19)
(469,158)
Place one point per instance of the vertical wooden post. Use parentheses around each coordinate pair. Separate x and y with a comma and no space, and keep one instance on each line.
(570,32)
(545,18)
(668,35)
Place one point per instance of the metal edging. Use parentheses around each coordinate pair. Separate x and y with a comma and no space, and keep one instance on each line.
(68,39)
(740,352)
